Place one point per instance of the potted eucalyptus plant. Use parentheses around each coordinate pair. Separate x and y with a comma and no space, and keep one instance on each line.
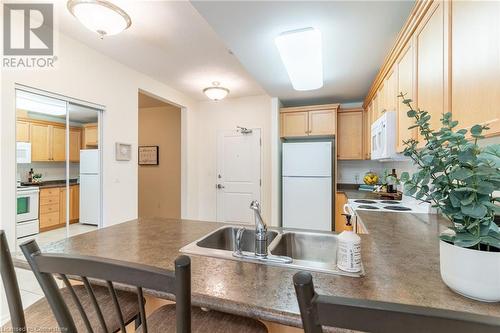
(459,176)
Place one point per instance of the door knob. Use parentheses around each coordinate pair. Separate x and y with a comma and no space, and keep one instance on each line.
(220,186)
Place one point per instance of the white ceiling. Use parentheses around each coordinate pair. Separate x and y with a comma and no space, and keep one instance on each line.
(170,42)
(357,35)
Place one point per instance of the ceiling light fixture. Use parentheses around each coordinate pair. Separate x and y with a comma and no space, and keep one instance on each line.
(100,16)
(216,93)
(301,53)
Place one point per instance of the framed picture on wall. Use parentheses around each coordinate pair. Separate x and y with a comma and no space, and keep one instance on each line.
(149,155)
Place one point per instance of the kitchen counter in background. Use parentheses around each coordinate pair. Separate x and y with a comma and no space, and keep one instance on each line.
(52,183)
(400,257)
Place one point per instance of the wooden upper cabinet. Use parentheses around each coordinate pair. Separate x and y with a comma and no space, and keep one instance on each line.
(58,144)
(90,136)
(430,44)
(322,122)
(382,106)
(22,131)
(405,70)
(367,130)
(315,120)
(350,135)
(475,63)
(294,124)
(375,112)
(391,90)
(40,142)
(75,144)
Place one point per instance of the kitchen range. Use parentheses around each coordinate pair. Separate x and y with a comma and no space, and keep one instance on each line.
(27,223)
(405,205)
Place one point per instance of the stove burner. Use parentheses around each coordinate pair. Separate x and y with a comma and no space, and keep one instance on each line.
(398,208)
(363,201)
(367,207)
(391,202)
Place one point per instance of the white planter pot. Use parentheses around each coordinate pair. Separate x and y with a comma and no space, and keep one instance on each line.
(471,273)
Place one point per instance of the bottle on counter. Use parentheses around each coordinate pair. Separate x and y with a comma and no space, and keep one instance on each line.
(391,182)
(30,176)
(349,252)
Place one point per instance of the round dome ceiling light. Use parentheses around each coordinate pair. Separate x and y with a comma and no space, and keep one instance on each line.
(100,16)
(215,92)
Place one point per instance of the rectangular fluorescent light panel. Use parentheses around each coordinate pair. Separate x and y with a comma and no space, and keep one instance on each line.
(301,53)
(40,104)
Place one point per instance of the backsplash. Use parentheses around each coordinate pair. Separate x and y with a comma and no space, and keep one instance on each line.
(352,172)
(49,170)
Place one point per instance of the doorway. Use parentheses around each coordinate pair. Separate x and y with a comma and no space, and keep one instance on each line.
(159,158)
(238,174)
(58,163)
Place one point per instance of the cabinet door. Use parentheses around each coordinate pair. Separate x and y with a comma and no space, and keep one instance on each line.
(476,63)
(391,93)
(62,205)
(430,64)
(375,112)
(381,96)
(367,129)
(40,142)
(350,135)
(58,145)
(22,131)
(75,144)
(405,85)
(294,124)
(322,122)
(91,137)
(75,203)
(340,220)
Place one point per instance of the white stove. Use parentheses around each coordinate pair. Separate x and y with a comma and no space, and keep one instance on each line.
(406,205)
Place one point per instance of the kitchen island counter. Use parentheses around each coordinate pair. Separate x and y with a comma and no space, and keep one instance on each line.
(400,257)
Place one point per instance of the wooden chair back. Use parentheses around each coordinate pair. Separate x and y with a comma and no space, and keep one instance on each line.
(108,272)
(11,287)
(374,316)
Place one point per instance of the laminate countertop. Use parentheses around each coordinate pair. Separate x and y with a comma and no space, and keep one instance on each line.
(52,183)
(400,257)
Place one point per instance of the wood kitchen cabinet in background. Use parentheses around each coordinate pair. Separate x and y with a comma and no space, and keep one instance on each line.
(305,121)
(22,131)
(350,135)
(90,136)
(48,140)
(53,207)
(446,58)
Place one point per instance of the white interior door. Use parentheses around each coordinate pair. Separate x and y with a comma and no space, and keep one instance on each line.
(238,178)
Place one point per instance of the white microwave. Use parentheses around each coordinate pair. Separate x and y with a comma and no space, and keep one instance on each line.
(383,136)
(23,152)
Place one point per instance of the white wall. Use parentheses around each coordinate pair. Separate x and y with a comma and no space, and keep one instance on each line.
(250,112)
(85,74)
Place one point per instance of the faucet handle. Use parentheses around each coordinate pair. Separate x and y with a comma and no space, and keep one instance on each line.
(255,205)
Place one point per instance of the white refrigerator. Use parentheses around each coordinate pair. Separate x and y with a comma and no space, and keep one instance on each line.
(307,185)
(89,186)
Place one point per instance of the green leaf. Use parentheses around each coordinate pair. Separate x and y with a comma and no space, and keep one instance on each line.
(474,210)
(491,155)
(485,187)
(405,176)
(465,239)
(476,130)
(492,206)
(461,174)
(411,113)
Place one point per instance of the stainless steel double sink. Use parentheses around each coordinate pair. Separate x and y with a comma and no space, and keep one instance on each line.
(314,251)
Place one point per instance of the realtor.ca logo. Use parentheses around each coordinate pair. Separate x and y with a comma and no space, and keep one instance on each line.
(28,36)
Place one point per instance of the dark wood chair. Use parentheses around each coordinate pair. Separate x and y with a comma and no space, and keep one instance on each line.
(374,316)
(39,315)
(179,317)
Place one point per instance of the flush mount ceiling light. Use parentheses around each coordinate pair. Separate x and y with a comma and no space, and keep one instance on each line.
(100,16)
(301,53)
(216,93)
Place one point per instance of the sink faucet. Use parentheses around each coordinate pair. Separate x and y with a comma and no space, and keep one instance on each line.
(260,230)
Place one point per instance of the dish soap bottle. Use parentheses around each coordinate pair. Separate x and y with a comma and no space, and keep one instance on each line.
(349,252)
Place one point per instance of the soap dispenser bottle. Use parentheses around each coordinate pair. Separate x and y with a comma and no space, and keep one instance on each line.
(349,252)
